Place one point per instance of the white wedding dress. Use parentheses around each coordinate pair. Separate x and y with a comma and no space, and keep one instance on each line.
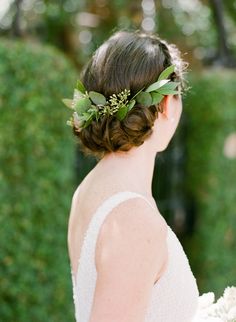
(174,296)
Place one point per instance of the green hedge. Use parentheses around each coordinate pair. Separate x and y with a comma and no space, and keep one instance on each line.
(36,183)
(211,178)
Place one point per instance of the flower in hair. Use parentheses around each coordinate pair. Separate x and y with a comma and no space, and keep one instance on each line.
(89,106)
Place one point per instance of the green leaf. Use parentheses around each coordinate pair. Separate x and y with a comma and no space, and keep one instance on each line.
(156,98)
(78,94)
(80,86)
(131,104)
(121,113)
(87,122)
(158,84)
(82,117)
(144,98)
(172,93)
(83,105)
(68,102)
(169,88)
(97,98)
(86,115)
(166,72)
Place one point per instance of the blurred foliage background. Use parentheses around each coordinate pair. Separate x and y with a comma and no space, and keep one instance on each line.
(43,46)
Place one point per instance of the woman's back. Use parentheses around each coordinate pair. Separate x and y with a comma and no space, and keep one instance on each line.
(174,295)
(91,193)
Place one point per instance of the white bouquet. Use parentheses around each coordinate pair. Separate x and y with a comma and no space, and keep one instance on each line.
(223,310)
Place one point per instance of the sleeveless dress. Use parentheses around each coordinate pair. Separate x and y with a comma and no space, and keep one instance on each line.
(174,296)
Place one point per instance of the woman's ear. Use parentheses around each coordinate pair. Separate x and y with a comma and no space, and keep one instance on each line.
(168,106)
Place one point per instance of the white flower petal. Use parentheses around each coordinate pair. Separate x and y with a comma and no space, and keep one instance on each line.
(232,314)
(206,299)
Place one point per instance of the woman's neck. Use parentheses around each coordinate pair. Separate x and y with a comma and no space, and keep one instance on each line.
(134,168)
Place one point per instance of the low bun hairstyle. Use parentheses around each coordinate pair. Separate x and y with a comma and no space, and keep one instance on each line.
(127,60)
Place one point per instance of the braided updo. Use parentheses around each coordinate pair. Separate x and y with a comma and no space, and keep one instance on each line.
(130,60)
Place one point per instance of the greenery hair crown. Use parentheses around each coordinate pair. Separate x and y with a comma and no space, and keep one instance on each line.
(91,105)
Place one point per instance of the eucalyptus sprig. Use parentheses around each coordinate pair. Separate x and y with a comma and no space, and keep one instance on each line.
(91,105)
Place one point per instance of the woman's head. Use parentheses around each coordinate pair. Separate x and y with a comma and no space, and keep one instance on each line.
(128,60)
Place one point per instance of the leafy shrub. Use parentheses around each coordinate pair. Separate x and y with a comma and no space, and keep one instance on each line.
(211,177)
(36,183)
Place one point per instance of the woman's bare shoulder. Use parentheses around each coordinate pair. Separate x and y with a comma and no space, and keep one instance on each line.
(132,224)
(130,254)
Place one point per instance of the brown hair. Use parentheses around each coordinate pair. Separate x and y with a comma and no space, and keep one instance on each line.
(130,60)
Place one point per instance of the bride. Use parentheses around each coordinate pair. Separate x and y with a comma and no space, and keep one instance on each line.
(127,264)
